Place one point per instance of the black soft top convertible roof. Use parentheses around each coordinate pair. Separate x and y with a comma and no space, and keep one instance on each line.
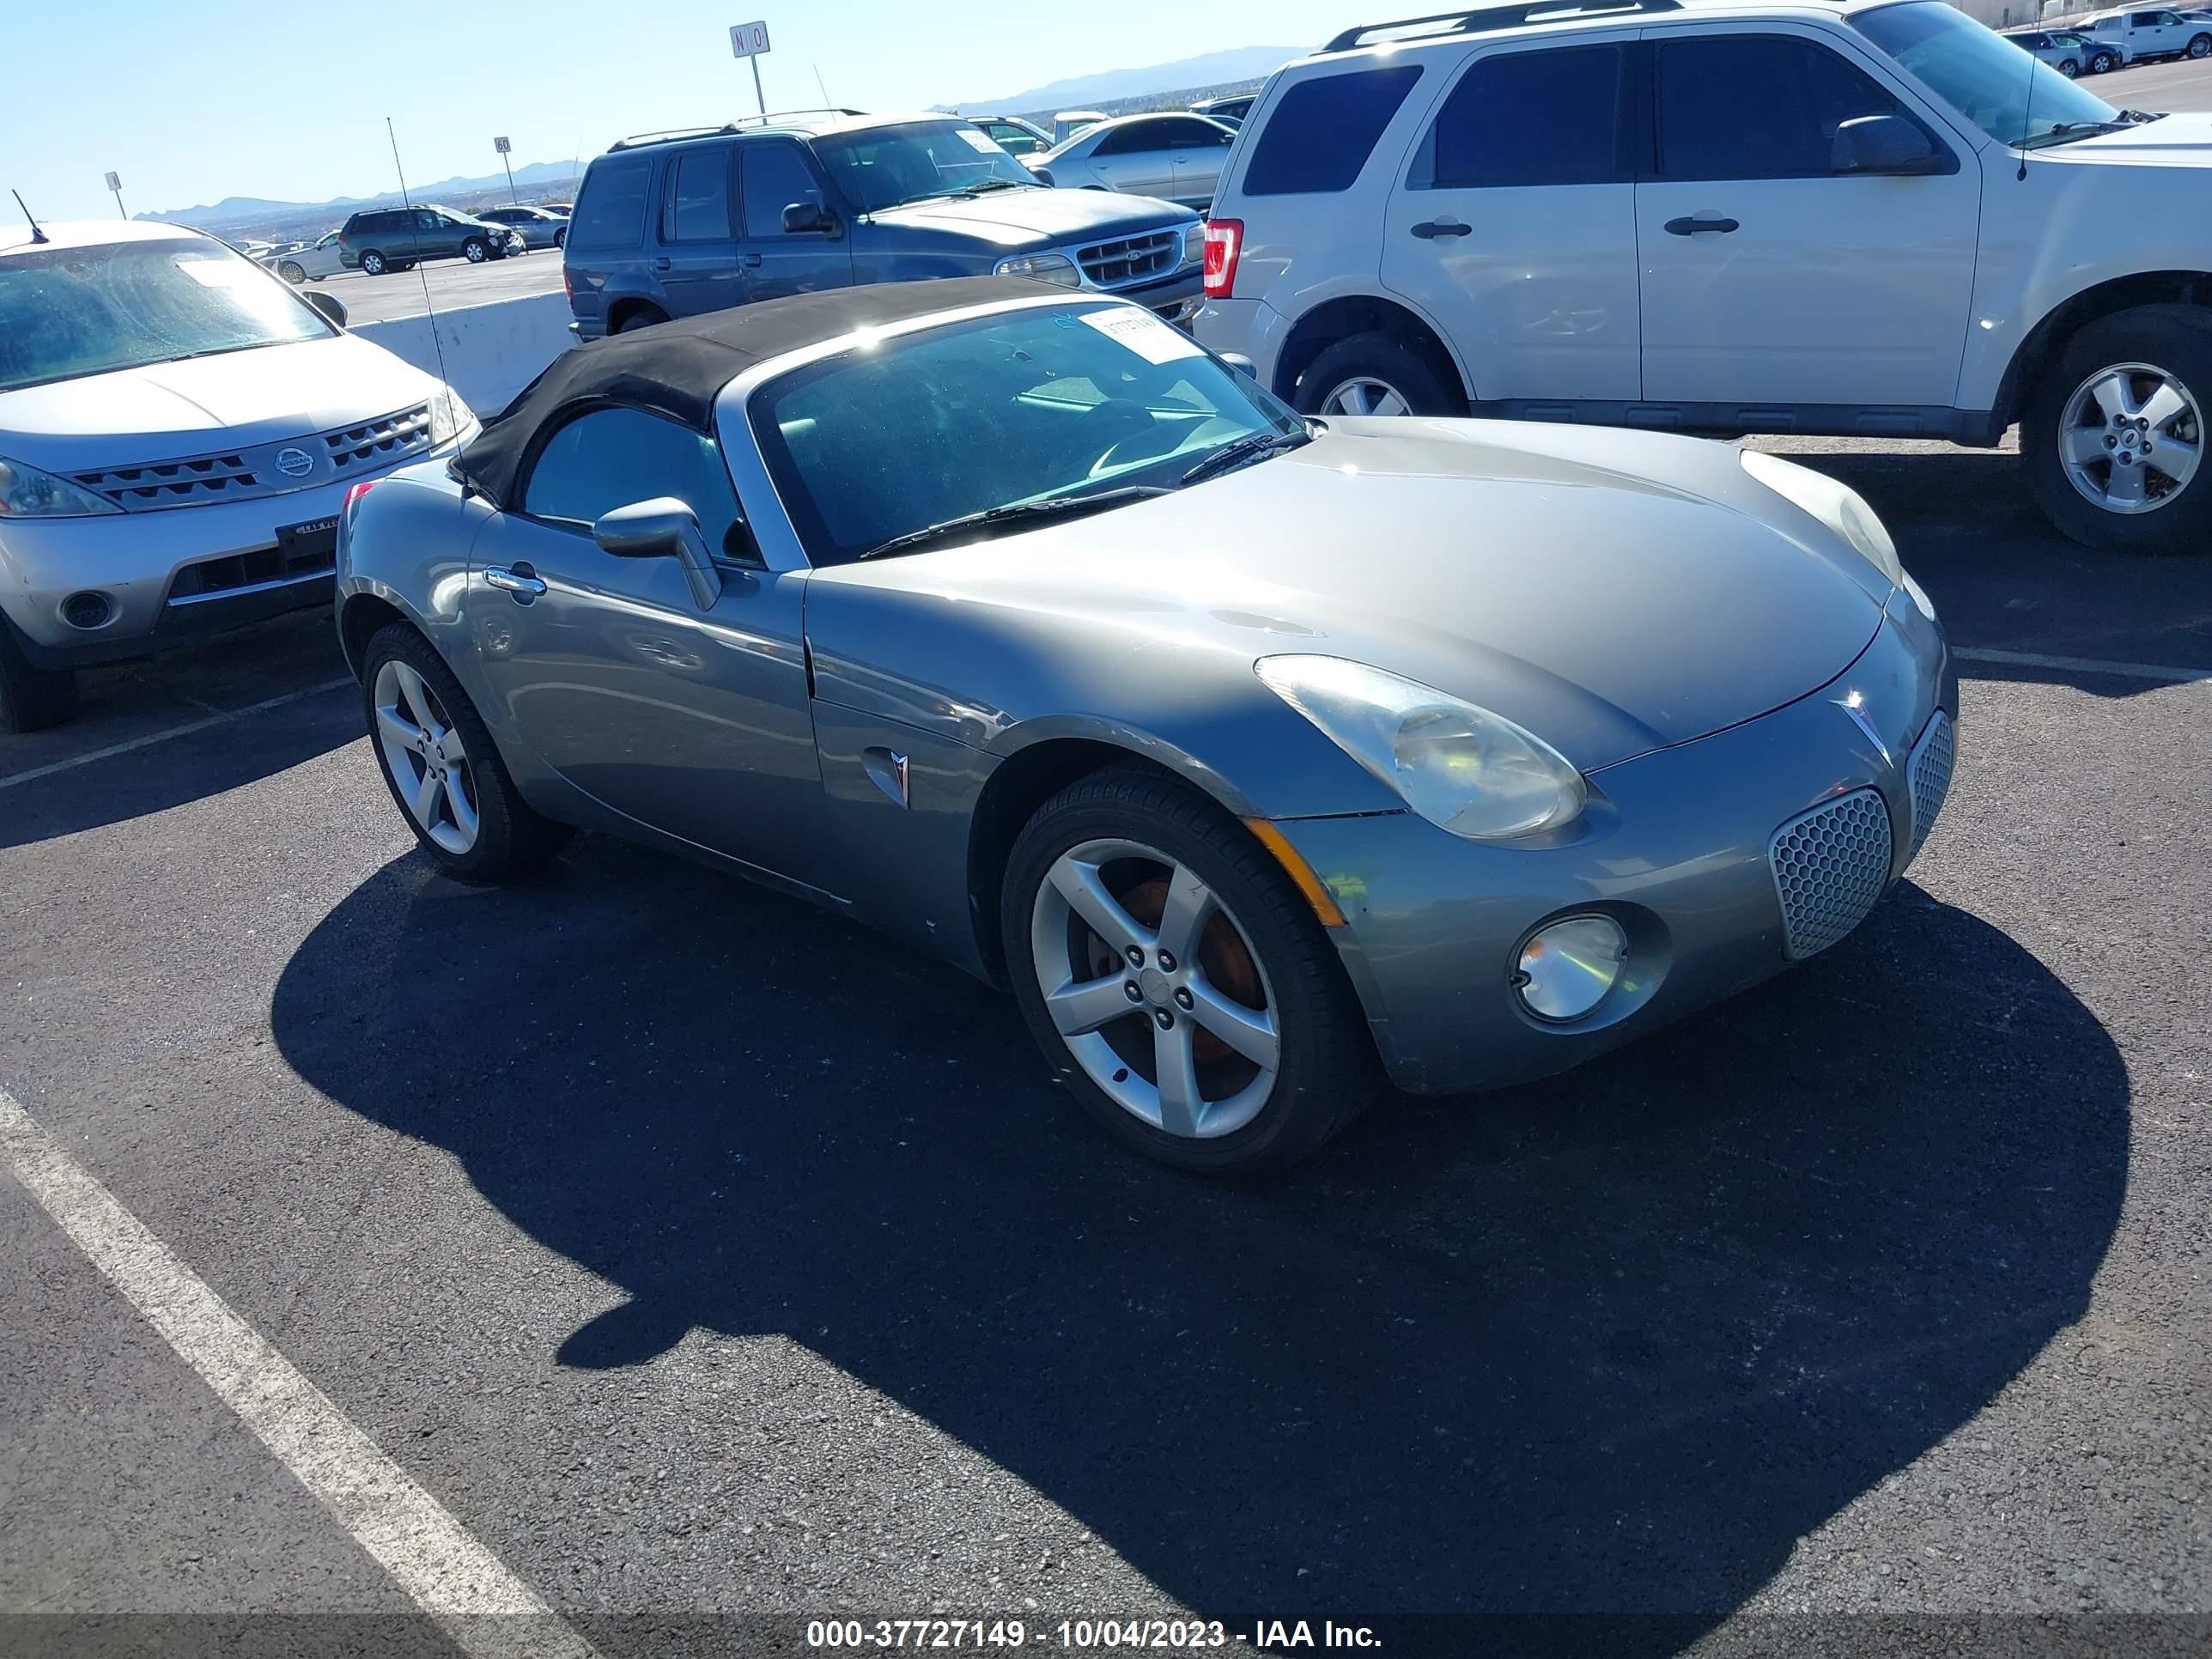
(677,369)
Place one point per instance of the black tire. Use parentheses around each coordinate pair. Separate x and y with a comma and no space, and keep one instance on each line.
(292,272)
(476,249)
(512,839)
(643,318)
(2200,45)
(32,699)
(374,264)
(1404,368)
(560,239)
(1328,1069)
(2069,69)
(2104,63)
(2177,339)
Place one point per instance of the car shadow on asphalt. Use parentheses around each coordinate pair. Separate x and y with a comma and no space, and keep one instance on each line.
(2002,578)
(1611,1344)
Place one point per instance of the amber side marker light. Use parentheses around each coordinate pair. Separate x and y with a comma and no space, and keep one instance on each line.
(1323,901)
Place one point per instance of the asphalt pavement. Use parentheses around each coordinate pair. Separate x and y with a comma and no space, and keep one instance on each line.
(442,285)
(710,1265)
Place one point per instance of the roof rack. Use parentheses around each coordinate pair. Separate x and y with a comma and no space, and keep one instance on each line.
(639,140)
(1494,17)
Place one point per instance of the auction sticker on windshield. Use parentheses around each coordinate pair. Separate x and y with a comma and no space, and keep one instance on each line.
(1144,334)
(977,142)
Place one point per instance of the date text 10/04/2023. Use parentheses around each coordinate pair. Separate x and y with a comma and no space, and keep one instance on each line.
(982,1636)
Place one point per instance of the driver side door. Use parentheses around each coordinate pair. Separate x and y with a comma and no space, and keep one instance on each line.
(1770,277)
(693,721)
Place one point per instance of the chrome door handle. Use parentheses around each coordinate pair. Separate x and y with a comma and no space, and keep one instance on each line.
(1697,227)
(512,581)
(1430,230)
(751,260)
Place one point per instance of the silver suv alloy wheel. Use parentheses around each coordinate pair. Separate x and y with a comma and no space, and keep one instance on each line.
(2130,437)
(423,752)
(1156,987)
(1363,394)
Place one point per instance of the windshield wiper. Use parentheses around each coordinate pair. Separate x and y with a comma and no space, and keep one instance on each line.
(983,184)
(1244,449)
(1021,513)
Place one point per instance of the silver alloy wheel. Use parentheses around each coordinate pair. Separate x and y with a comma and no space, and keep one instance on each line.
(1363,394)
(372,264)
(2130,438)
(1130,997)
(2201,47)
(292,272)
(423,752)
(475,252)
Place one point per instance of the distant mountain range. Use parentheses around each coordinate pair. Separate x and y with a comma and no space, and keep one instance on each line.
(251,210)
(1084,91)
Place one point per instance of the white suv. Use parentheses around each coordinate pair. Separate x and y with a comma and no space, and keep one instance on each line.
(1737,216)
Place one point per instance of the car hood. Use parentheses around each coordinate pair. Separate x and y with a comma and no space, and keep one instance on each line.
(1012,218)
(1614,593)
(233,400)
(2183,140)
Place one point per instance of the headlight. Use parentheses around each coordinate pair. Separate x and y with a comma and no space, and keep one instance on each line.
(1462,767)
(1840,507)
(1193,247)
(450,417)
(1045,267)
(27,492)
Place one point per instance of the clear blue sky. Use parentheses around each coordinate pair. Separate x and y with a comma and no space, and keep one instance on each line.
(191,101)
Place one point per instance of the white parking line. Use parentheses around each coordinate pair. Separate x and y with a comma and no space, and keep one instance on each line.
(488,1611)
(2126,671)
(183,731)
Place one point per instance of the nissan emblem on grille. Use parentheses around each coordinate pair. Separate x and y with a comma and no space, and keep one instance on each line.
(1830,866)
(294,463)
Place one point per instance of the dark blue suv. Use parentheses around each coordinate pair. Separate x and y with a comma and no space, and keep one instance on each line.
(671,224)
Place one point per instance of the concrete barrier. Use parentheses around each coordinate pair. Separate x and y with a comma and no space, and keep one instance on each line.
(489,352)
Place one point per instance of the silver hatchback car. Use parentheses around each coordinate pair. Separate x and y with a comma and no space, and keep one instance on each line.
(1261,755)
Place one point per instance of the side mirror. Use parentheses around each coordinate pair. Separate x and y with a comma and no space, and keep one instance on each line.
(663,527)
(801,217)
(331,309)
(1886,144)
(1240,363)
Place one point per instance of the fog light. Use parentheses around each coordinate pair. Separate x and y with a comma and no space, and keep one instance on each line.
(1567,966)
(87,609)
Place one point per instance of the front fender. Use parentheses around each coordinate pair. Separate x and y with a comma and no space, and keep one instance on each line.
(405,545)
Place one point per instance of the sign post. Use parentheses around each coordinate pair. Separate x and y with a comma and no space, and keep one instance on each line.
(503,147)
(750,40)
(115,183)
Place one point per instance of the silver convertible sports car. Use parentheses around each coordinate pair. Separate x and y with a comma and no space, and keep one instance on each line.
(1263,757)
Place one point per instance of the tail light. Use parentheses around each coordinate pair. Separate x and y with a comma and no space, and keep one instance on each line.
(568,283)
(1225,241)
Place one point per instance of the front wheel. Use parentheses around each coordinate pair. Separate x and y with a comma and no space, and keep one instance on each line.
(32,699)
(475,250)
(2113,435)
(1178,983)
(2200,45)
(292,272)
(2069,69)
(2105,64)
(1375,375)
(439,761)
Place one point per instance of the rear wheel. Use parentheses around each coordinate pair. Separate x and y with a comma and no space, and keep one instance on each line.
(2114,435)
(643,318)
(32,699)
(1373,374)
(2200,45)
(372,263)
(292,272)
(560,239)
(1178,983)
(439,760)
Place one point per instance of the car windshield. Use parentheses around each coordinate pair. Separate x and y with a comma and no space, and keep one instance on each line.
(67,312)
(885,166)
(1013,411)
(2012,96)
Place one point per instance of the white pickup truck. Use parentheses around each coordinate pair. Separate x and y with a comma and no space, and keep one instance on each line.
(1873,217)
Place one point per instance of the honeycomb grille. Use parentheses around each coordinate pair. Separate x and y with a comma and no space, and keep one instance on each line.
(1830,866)
(1931,776)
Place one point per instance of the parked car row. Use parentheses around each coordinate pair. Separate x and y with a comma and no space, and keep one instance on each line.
(2068,51)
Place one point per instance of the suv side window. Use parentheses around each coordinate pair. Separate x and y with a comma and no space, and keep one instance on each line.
(611,213)
(1757,107)
(1530,118)
(604,458)
(1321,133)
(695,207)
(776,176)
